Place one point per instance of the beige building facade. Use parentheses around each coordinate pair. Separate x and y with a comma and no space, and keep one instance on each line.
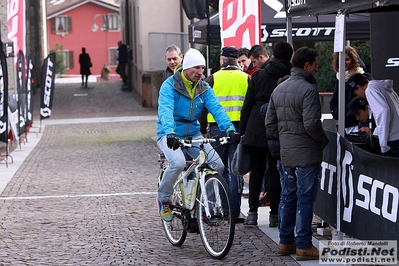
(148,27)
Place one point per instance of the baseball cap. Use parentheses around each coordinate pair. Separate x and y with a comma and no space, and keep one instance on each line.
(229,51)
(355,104)
(356,79)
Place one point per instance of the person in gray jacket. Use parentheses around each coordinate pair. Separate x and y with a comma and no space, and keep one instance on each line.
(293,115)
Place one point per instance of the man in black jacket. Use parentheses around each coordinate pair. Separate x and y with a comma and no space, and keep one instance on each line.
(252,126)
(123,59)
(258,55)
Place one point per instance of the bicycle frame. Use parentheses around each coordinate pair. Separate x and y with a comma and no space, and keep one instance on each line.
(189,193)
(201,204)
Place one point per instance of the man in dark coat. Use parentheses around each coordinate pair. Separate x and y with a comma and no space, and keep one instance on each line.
(85,65)
(294,116)
(123,59)
(252,126)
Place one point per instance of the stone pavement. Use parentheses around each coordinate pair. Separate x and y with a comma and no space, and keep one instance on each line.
(85,194)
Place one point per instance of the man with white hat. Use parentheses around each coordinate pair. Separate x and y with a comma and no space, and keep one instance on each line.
(182,98)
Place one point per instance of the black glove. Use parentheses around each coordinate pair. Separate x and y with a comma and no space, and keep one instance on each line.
(172,141)
(234,137)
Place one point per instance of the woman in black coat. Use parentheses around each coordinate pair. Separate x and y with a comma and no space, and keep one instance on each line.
(85,65)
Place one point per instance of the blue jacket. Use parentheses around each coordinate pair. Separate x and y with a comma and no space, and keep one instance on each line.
(178,113)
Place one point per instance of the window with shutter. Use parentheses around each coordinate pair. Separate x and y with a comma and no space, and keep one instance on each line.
(52,22)
(68,58)
(112,22)
(113,52)
(71,62)
(62,25)
(69,24)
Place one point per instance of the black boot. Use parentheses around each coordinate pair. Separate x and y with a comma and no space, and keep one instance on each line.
(273,220)
(252,218)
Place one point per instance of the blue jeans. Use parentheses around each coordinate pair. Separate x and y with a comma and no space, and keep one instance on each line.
(226,153)
(299,188)
(177,162)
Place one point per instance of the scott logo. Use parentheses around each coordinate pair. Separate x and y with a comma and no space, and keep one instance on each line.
(368,193)
(392,62)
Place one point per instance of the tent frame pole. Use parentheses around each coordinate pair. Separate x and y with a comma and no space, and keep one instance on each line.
(208,39)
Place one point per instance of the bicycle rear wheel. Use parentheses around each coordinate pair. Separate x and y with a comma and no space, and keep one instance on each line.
(217,231)
(174,230)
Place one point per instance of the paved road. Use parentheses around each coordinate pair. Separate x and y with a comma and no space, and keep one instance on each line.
(85,195)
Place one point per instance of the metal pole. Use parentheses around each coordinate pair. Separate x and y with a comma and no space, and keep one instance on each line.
(289,30)
(336,233)
(129,44)
(208,38)
(341,90)
(106,46)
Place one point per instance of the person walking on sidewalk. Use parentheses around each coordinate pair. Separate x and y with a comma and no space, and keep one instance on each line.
(230,85)
(294,116)
(85,65)
(182,98)
(252,126)
(123,60)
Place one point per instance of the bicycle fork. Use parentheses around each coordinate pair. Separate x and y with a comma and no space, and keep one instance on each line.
(205,203)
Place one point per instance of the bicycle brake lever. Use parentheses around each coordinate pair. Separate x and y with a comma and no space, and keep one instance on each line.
(224,140)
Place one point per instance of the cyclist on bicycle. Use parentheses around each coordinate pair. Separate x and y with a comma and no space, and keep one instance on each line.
(182,98)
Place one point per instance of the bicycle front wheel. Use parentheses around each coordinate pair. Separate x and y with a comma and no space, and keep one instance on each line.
(174,230)
(216,230)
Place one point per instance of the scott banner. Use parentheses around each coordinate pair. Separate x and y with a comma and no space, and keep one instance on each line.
(47,90)
(360,195)
(318,7)
(3,98)
(239,23)
(29,107)
(21,93)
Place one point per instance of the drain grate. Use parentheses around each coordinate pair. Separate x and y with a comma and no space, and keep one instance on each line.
(89,132)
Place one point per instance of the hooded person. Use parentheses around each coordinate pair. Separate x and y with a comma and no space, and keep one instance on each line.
(384,106)
(182,98)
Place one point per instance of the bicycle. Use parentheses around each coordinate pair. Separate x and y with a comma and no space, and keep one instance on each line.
(201,204)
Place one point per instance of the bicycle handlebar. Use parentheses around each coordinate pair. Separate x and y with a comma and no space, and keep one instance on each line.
(188,142)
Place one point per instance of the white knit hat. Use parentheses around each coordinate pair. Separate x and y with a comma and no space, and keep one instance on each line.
(193,58)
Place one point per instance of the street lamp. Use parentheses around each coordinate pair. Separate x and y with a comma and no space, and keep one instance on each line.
(107,24)
(103,27)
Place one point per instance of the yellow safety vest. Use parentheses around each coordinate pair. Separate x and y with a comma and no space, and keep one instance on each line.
(230,87)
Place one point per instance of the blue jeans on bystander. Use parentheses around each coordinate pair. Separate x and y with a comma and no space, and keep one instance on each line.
(299,188)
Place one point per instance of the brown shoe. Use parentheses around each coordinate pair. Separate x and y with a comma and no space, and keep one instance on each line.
(286,249)
(307,254)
